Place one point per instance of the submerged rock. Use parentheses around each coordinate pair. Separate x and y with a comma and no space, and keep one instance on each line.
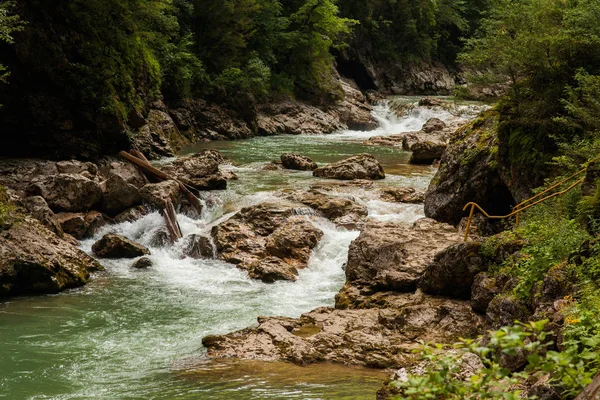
(34,260)
(298,162)
(402,195)
(198,246)
(362,166)
(143,263)
(268,240)
(116,246)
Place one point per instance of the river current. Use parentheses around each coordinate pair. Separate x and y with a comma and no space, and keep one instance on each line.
(133,334)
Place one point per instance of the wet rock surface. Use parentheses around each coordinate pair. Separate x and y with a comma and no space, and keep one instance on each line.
(269,240)
(67,192)
(298,162)
(34,260)
(362,166)
(116,246)
(402,195)
(337,208)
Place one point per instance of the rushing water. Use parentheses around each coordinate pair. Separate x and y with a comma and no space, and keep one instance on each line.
(134,334)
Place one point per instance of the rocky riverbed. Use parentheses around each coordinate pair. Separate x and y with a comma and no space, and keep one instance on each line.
(273,239)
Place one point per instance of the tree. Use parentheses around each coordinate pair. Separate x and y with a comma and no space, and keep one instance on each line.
(9,23)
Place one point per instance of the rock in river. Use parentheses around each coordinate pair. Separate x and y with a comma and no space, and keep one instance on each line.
(362,166)
(117,246)
(268,240)
(298,162)
(35,260)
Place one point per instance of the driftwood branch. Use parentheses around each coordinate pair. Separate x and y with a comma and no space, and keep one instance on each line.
(591,392)
(139,160)
(173,227)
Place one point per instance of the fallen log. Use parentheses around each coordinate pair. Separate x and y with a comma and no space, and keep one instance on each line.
(168,212)
(147,168)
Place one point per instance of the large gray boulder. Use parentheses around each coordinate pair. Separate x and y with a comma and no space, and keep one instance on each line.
(362,166)
(67,192)
(118,195)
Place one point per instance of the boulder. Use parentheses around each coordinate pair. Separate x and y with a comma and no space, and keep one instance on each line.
(199,247)
(298,162)
(67,192)
(37,207)
(453,271)
(402,195)
(118,195)
(431,102)
(160,238)
(504,310)
(469,173)
(131,214)
(485,287)
(268,240)
(362,166)
(427,152)
(434,125)
(201,170)
(87,169)
(109,166)
(116,246)
(377,338)
(80,225)
(393,257)
(159,137)
(354,110)
(333,207)
(142,263)
(34,260)
(155,194)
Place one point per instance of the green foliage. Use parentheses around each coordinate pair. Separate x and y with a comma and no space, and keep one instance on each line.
(9,23)
(571,369)
(549,53)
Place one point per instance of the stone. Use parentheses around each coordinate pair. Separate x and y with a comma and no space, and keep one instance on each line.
(109,166)
(504,310)
(87,169)
(201,170)
(485,287)
(469,173)
(155,194)
(160,238)
(431,102)
(116,246)
(362,166)
(402,195)
(142,263)
(289,117)
(73,223)
(199,247)
(427,152)
(298,162)
(294,241)
(34,260)
(118,195)
(377,338)
(453,271)
(158,137)
(67,192)
(268,240)
(333,207)
(132,214)
(393,257)
(434,125)
(37,207)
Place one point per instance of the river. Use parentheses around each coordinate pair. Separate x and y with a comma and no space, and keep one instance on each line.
(134,334)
